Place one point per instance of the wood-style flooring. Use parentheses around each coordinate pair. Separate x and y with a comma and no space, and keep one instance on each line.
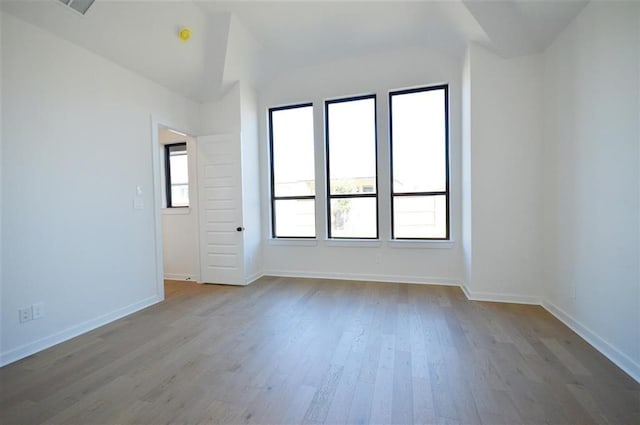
(319,351)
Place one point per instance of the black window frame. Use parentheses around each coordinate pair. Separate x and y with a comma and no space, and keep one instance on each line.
(275,198)
(329,196)
(446,192)
(167,173)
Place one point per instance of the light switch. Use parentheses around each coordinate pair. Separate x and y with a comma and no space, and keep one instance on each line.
(138,204)
(139,190)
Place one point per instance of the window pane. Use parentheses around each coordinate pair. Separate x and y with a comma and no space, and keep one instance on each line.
(419,141)
(293,164)
(178,172)
(354,218)
(179,195)
(420,217)
(179,168)
(352,146)
(295,218)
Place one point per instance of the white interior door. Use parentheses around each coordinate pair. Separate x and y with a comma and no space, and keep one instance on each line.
(220,210)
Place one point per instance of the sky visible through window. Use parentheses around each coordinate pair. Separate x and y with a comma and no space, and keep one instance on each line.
(352,150)
(419,160)
(294,171)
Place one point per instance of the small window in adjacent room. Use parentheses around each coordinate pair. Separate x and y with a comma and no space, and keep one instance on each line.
(177,175)
(293,184)
(352,181)
(420,163)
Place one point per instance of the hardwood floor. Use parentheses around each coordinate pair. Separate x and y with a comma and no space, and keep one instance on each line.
(320,351)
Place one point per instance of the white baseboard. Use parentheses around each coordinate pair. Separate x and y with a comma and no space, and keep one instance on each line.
(249,280)
(73,331)
(500,298)
(176,276)
(365,277)
(620,359)
(466,291)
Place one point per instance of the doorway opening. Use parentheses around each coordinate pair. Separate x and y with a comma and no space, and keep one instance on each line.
(176,180)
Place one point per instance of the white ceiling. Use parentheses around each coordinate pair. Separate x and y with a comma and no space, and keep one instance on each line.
(142,34)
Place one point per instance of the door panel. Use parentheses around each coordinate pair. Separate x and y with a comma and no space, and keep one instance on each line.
(220,190)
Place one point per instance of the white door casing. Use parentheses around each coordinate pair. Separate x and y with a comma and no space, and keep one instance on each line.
(220,209)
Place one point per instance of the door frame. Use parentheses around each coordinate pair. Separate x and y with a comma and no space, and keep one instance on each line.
(158,187)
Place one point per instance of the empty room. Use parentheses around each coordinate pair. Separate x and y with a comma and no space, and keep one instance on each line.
(319,212)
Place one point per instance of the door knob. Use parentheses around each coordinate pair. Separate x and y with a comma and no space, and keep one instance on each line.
(239,229)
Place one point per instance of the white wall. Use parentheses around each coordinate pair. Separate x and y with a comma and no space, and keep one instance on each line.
(1,172)
(76,143)
(243,59)
(370,261)
(223,115)
(504,160)
(251,184)
(180,226)
(467,247)
(592,139)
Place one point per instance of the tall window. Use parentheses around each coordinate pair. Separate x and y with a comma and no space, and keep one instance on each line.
(419,164)
(293,187)
(177,175)
(352,186)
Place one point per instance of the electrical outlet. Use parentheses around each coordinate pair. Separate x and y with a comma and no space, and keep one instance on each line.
(37,311)
(25,314)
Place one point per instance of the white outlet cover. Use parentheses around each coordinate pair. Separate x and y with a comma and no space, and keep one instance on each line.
(37,311)
(24,314)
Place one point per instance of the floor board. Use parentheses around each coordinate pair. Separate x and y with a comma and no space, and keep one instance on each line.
(317,351)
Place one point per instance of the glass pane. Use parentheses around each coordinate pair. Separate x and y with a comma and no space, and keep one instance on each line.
(295,218)
(179,168)
(419,141)
(352,146)
(180,195)
(420,217)
(293,159)
(354,218)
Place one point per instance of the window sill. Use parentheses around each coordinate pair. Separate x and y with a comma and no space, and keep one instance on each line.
(363,243)
(416,244)
(292,242)
(360,243)
(176,211)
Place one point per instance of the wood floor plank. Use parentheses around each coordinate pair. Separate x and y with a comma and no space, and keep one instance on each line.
(319,351)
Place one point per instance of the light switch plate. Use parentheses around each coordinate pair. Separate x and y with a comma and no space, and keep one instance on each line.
(37,311)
